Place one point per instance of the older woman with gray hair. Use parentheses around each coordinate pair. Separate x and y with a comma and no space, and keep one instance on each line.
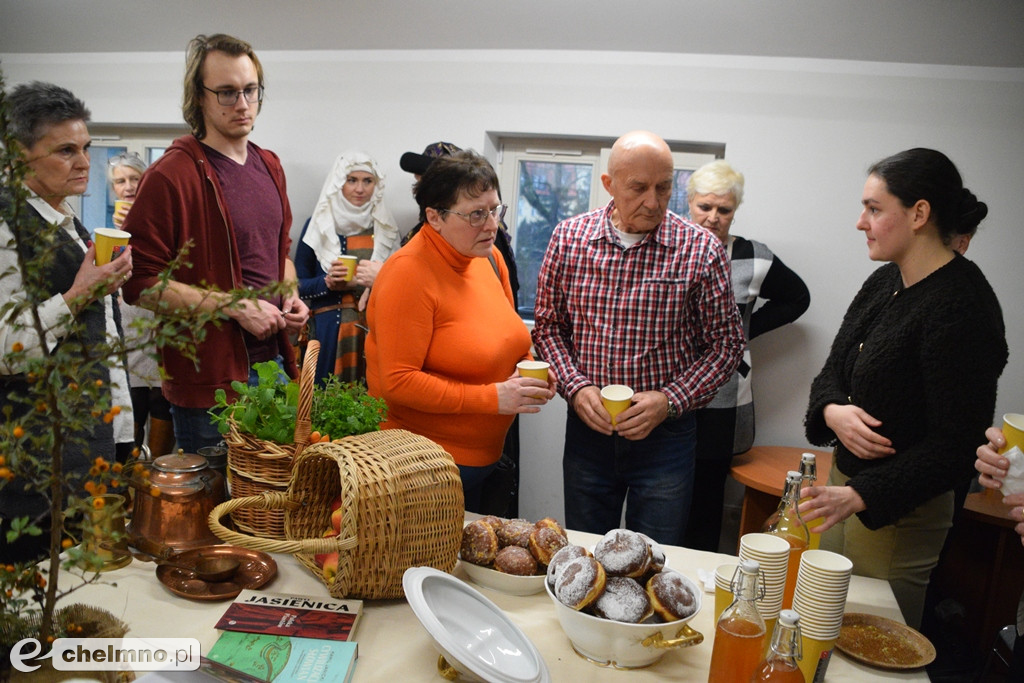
(124,171)
(349,218)
(726,425)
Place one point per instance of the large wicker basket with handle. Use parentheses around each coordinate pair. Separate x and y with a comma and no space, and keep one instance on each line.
(401,498)
(256,465)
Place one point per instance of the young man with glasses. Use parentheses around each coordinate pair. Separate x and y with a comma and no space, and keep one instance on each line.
(223,198)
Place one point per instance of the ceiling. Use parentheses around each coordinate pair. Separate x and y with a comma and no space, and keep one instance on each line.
(974,33)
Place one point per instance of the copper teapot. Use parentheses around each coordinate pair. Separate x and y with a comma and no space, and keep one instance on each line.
(173,502)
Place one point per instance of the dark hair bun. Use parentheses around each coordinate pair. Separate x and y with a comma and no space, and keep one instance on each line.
(971,213)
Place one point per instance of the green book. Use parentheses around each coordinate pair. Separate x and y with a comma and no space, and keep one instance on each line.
(284,659)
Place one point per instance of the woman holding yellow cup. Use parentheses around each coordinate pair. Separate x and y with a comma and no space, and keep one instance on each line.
(124,172)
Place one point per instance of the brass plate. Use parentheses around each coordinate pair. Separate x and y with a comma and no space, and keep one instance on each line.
(884,643)
(255,569)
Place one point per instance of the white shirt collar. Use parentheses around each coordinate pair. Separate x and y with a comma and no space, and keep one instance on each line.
(50,214)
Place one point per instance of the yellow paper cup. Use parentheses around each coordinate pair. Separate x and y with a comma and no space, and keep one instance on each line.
(109,244)
(723,588)
(537,369)
(1013,430)
(816,656)
(350,262)
(616,398)
(121,207)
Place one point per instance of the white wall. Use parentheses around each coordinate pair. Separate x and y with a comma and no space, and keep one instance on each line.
(803,132)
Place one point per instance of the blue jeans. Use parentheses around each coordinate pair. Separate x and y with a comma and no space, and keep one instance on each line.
(193,428)
(654,477)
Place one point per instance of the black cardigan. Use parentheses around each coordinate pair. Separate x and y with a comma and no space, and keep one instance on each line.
(925,360)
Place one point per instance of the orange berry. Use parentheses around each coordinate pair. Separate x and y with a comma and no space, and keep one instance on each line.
(94,471)
(18,432)
(3,460)
(5,473)
(98,503)
(101,489)
(136,452)
(108,418)
(17,347)
(50,639)
(154,491)
(31,377)
(66,543)
(73,386)
(95,413)
(116,468)
(115,483)
(90,486)
(41,407)
(139,468)
(116,410)
(99,383)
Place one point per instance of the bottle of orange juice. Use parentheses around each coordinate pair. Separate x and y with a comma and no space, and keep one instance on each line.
(782,665)
(809,474)
(786,523)
(739,633)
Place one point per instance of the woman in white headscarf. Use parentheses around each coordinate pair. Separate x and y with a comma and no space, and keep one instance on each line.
(349,218)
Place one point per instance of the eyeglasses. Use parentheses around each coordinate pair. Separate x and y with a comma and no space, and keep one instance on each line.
(227,98)
(478,218)
(126,159)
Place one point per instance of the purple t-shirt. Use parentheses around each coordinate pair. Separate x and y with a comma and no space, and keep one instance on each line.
(254,205)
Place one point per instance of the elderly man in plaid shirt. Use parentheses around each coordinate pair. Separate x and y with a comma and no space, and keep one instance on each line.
(633,294)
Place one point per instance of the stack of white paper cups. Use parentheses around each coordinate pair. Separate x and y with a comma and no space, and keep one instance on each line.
(772,553)
(820,599)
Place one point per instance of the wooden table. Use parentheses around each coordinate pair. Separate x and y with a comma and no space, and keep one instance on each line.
(983,567)
(762,470)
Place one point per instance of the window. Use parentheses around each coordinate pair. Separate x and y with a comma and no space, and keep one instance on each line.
(546,180)
(96,206)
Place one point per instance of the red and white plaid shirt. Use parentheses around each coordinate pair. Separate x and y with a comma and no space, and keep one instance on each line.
(660,315)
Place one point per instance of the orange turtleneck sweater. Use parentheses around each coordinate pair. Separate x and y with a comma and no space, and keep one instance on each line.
(443,332)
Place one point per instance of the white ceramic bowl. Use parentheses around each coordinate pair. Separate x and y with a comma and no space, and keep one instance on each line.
(504,583)
(625,646)
(470,631)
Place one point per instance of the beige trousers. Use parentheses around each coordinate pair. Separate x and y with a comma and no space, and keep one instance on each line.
(903,553)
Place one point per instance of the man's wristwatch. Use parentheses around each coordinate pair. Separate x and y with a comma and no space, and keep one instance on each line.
(673,412)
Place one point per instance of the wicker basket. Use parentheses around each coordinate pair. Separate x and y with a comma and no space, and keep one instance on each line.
(403,507)
(256,465)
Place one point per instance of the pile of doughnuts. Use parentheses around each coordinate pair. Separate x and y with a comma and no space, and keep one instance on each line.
(512,546)
(623,580)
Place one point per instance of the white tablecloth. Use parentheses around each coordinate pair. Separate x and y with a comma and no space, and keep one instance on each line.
(393,646)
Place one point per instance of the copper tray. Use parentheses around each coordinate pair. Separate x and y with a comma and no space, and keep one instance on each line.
(884,643)
(255,569)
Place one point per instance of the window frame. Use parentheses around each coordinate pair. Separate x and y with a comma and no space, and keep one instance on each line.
(512,149)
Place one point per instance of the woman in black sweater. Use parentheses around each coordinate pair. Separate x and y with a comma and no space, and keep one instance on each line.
(910,383)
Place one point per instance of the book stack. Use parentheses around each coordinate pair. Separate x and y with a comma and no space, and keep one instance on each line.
(277,637)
